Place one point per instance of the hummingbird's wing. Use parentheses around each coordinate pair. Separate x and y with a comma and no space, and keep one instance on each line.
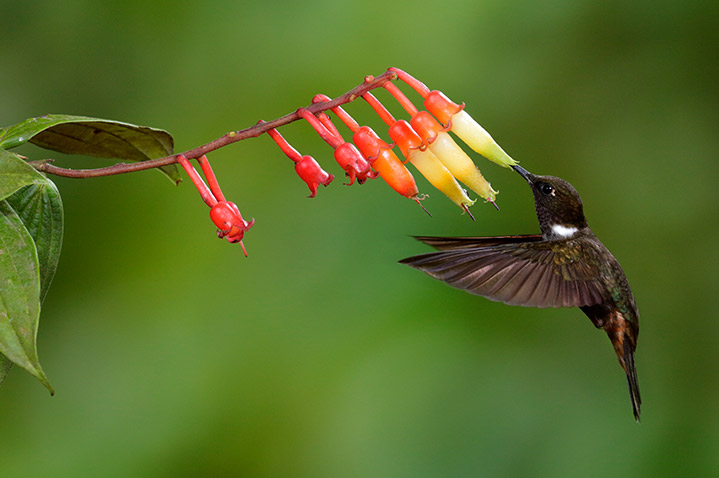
(449,243)
(517,272)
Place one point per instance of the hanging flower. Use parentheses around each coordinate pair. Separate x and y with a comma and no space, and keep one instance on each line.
(451,155)
(463,125)
(311,173)
(224,214)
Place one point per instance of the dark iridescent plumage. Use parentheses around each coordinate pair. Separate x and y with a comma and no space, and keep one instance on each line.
(565,266)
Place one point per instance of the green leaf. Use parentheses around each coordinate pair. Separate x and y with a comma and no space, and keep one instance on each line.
(15,174)
(93,137)
(19,294)
(20,182)
(40,209)
(5,366)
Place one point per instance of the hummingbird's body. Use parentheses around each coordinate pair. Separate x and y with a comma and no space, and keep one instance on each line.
(565,266)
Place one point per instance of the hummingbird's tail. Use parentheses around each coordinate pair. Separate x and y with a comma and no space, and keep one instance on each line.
(627,362)
(623,335)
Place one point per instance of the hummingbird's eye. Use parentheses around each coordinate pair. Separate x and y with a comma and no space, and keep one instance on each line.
(546,189)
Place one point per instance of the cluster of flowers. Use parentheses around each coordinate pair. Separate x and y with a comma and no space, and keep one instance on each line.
(423,141)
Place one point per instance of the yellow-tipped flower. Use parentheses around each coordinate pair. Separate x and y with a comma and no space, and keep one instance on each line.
(466,128)
(451,155)
(428,164)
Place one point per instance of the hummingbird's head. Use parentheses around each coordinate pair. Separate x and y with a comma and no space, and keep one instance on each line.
(559,207)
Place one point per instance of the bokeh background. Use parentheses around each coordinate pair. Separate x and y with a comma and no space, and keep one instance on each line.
(319,355)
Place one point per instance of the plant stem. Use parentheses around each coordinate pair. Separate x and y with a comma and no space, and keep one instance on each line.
(232,137)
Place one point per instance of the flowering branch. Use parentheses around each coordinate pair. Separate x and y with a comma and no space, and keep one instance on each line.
(231,137)
(423,140)
(31,199)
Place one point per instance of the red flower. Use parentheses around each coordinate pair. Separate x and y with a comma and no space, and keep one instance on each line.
(311,173)
(224,214)
(306,167)
(350,160)
(229,222)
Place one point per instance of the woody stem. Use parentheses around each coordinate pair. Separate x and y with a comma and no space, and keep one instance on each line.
(232,137)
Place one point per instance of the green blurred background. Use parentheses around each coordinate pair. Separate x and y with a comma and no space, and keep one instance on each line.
(319,355)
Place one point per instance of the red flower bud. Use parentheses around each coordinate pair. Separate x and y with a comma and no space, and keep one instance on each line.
(379,154)
(224,214)
(354,164)
(229,222)
(311,173)
(306,167)
(346,155)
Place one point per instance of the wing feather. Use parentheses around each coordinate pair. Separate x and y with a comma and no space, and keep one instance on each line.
(513,272)
(449,243)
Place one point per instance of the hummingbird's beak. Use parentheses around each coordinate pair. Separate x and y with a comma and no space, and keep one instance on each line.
(523,172)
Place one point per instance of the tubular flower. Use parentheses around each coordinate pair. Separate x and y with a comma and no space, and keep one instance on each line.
(311,173)
(451,155)
(350,160)
(305,166)
(229,222)
(224,214)
(464,126)
(377,153)
(422,158)
(428,164)
(459,122)
(353,163)
(385,162)
(348,154)
(440,143)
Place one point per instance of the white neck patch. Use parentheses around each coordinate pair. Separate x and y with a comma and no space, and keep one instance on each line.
(564,231)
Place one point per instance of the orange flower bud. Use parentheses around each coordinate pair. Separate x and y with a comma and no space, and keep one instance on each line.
(441,107)
(385,162)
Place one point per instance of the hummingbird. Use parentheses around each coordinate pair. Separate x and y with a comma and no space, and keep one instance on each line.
(564,266)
